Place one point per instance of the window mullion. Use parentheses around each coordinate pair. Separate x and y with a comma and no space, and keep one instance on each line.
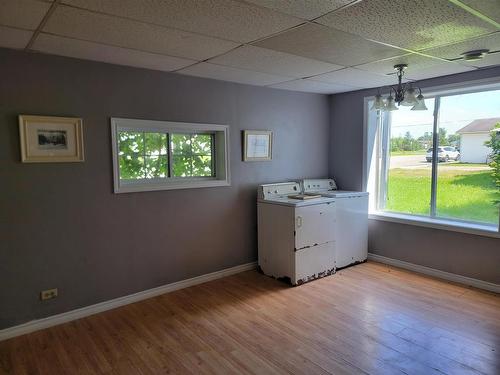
(435,161)
(169,155)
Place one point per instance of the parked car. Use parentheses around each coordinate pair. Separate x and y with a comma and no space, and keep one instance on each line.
(445,153)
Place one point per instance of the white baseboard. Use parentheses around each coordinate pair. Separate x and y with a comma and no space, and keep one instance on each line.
(436,273)
(53,320)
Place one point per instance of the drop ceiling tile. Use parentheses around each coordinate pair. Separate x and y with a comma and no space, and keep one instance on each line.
(226,73)
(94,27)
(226,19)
(99,52)
(490,8)
(415,62)
(414,25)
(24,14)
(355,78)
(273,62)
(305,9)
(14,38)
(455,51)
(326,44)
(307,85)
(437,71)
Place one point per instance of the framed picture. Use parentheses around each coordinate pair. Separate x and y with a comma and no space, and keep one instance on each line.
(258,145)
(47,139)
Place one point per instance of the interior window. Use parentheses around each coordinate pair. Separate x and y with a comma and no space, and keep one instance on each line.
(156,155)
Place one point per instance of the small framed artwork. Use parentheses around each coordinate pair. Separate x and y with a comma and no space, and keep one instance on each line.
(47,139)
(258,145)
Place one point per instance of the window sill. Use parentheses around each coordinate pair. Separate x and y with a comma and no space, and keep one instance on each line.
(192,184)
(442,224)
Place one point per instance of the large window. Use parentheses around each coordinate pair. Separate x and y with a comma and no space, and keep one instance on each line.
(158,155)
(434,164)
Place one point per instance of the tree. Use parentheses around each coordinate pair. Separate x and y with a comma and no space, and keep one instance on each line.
(443,140)
(454,140)
(494,144)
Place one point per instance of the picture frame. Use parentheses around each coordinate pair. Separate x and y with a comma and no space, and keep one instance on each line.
(49,139)
(257,145)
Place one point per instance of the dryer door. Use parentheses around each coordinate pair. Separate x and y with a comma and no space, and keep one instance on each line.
(314,225)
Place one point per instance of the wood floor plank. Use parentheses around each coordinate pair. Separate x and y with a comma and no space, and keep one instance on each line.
(367,319)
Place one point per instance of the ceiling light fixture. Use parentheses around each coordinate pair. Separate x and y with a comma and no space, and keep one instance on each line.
(404,95)
(475,55)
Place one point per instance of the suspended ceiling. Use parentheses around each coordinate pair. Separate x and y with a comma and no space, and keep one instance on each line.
(321,46)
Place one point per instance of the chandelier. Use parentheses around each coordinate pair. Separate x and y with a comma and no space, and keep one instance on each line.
(404,95)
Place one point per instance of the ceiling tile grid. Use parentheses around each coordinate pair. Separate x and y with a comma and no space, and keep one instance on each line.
(355,77)
(308,85)
(94,27)
(414,25)
(225,19)
(414,61)
(14,38)
(348,45)
(436,71)
(99,52)
(326,44)
(490,8)
(305,9)
(23,14)
(227,73)
(273,62)
(455,51)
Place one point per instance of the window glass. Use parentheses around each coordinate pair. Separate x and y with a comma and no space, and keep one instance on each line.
(465,186)
(462,186)
(142,155)
(408,179)
(192,155)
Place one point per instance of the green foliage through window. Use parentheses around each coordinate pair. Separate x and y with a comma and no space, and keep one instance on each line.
(192,155)
(145,155)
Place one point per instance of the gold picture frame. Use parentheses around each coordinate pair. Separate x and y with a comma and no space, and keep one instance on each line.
(257,145)
(49,139)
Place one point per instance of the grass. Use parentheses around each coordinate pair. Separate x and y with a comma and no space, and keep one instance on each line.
(401,153)
(466,195)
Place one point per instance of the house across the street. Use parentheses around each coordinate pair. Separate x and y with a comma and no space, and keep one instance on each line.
(472,138)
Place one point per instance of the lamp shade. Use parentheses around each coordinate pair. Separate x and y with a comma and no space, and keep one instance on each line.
(378,103)
(420,106)
(390,104)
(409,98)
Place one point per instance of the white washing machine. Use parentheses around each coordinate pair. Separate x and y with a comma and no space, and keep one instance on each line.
(295,235)
(351,224)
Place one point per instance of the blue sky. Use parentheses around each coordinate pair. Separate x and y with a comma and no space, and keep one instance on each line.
(455,112)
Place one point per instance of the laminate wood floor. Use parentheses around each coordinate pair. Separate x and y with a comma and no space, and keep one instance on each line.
(367,319)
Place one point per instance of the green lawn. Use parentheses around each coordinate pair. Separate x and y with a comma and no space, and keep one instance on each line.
(467,195)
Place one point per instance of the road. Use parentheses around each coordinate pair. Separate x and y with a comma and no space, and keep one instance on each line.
(419,162)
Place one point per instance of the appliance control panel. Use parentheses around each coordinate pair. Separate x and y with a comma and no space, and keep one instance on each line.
(269,191)
(317,185)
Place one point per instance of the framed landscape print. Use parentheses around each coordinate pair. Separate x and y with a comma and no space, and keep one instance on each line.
(47,139)
(258,145)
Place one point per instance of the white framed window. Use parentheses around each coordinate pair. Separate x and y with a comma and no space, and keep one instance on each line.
(162,155)
(426,168)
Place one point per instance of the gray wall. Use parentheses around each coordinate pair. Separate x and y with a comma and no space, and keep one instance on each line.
(463,254)
(61,225)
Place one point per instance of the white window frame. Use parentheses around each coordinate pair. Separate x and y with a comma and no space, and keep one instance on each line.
(221,155)
(371,172)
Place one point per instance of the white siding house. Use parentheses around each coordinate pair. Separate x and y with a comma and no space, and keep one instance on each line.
(472,138)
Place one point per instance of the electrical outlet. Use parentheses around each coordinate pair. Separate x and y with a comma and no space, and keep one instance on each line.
(48,294)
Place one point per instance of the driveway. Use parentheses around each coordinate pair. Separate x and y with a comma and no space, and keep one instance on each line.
(408,161)
(419,162)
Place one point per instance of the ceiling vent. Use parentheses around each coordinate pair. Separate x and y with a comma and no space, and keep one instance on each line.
(475,55)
